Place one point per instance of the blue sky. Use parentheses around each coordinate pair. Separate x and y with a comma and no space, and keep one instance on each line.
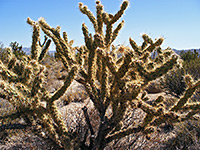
(178,21)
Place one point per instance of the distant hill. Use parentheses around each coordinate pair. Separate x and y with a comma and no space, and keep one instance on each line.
(27,50)
(179,51)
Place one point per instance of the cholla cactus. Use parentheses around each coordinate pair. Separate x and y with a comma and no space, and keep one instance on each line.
(22,84)
(113,82)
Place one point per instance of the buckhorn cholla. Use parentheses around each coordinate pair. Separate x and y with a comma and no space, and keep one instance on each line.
(112,81)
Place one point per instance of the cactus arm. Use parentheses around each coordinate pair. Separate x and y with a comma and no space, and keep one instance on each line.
(113,53)
(91,73)
(80,58)
(147,39)
(144,45)
(162,70)
(191,114)
(12,63)
(67,83)
(91,64)
(44,51)
(61,47)
(63,131)
(123,133)
(98,40)
(183,100)
(154,45)
(105,88)
(191,106)
(110,63)
(65,37)
(38,50)
(149,76)
(135,46)
(99,8)
(106,18)
(125,66)
(116,31)
(12,95)
(35,38)
(120,12)
(7,74)
(109,34)
(37,83)
(99,66)
(87,12)
(88,120)
(88,42)
(48,123)
(23,89)
(45,40)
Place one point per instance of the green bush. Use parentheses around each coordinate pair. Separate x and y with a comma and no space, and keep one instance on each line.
(173,82)
(192,67)
(189,55)
(17,49)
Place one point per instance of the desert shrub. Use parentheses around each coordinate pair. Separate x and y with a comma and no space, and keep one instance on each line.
(17,49)
(192,67)
(173,82)
(189,55)
(191,63)
(187,137)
